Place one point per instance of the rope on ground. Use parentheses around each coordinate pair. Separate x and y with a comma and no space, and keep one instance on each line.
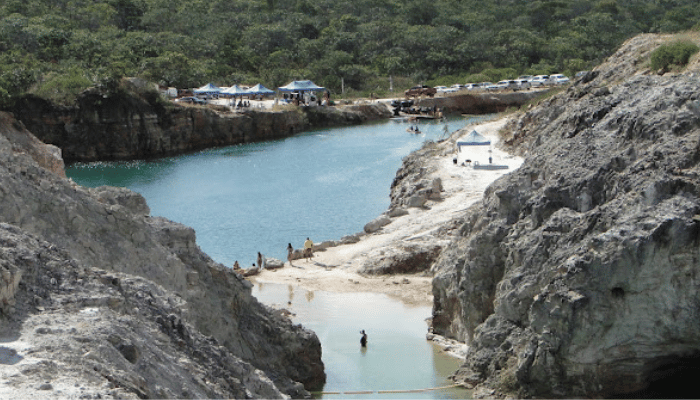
(393,391)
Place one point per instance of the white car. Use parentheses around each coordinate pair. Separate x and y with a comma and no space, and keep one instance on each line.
(539,80)
(559,79)
(507,84)
(441,89)
(523,83)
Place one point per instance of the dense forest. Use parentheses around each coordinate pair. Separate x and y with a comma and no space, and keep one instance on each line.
(56,48)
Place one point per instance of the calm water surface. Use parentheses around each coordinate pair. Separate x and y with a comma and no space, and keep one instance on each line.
(324,185)
(258,197)
(397,356)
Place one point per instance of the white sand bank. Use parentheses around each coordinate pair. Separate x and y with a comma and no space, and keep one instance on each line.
(336,269)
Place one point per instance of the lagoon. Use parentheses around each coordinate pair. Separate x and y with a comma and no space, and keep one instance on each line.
(322,184)
(259,197)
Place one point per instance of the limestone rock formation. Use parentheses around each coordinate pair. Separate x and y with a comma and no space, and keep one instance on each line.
(576,275)
(87,246)
(479,103)
(126,126)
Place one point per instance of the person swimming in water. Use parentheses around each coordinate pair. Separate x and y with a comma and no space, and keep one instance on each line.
(363,339)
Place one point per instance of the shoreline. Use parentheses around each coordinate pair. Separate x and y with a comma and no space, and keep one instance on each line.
(336,269)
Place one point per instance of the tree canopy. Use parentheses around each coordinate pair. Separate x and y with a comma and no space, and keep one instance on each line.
(49,46)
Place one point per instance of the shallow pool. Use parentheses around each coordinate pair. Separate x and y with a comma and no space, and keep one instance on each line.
(397,357)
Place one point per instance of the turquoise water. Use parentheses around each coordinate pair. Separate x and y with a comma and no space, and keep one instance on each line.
(324,185)
(259,197)
(397,356)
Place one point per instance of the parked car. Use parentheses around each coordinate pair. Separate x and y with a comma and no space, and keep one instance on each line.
(539,80)
(507,84)
(559,79)
(445,89)
(471,86)
(525,77)
(191,100)
(456,87)
(523,83)
(417,91)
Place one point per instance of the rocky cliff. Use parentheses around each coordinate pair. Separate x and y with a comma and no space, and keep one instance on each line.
(577,274)
(482,103)
(127,125)
(96,295)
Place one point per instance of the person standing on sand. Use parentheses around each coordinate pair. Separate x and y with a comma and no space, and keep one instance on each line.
(260,261)
(308,249)
(290,253)
(363,339)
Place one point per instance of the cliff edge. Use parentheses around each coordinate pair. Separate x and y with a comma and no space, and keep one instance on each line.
(135,123)
(97,298)
(576,275)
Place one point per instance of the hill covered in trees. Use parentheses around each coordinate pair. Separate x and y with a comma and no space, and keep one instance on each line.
(56,48)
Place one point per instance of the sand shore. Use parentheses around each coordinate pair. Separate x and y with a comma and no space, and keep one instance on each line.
(336,269)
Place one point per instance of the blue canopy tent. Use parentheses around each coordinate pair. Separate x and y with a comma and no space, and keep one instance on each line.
(260,90)
(234,91)
(473,139)
(208,89)
(300,86)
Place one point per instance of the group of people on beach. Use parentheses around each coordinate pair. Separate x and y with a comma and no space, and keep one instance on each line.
(307,253)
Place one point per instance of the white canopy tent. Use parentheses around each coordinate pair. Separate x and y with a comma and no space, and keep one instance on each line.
(473,139)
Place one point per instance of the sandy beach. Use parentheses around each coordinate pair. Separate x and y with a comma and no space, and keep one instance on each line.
(336,268)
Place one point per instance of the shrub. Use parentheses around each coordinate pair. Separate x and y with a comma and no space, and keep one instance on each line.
(673,54)
(63,88)
(476,78)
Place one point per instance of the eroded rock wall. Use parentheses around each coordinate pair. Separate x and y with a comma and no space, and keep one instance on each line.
(481,103)
(126,126)
(109,229)
(576,275)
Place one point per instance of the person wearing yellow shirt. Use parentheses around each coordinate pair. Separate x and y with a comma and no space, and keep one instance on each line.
(308,248)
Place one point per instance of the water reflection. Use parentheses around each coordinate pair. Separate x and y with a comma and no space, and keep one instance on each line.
(397,356)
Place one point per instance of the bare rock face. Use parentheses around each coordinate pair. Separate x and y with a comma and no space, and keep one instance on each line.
(575,275)
(79,332)
(109,229)
(126,126)
(45,155)
(405,259)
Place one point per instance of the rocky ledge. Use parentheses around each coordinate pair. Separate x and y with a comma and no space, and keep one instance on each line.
(99,299)
(137,124)
(576,275)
